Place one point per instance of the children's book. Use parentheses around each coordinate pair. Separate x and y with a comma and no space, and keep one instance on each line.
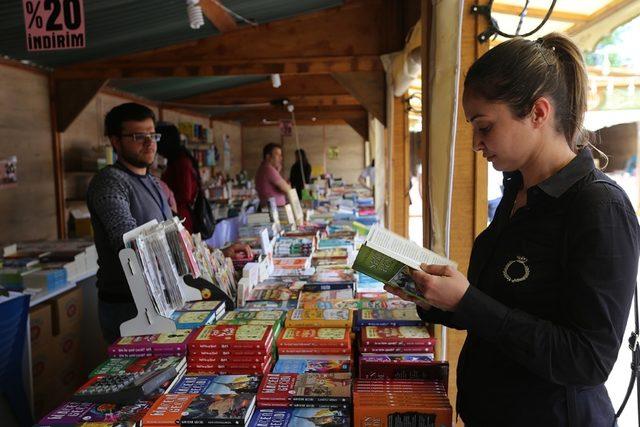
(300,417)
(329,318)
(390,258)
(217,384)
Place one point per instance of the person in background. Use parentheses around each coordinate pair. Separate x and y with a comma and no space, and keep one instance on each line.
(120,198)
(550,281)
(269,183)
(300,169)
(370,173)
(181,173)
(123,197)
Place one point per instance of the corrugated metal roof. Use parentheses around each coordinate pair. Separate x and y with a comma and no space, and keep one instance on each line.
(165,89)
(117,27)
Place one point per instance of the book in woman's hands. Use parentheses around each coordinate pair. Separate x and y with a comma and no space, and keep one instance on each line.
(390,258)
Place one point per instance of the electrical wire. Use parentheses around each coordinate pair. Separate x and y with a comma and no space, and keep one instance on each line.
(522,15)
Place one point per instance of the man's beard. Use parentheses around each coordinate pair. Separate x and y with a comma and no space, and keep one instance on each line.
(134,161)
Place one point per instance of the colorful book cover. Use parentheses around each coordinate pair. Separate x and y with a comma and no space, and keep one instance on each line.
(303,366)
(333,276)
(192,319)
(315,337)
(334,243)
(330,317)
(336,295)
(255,315)
(269,305)
(314,351)
(396,336)
(335,253)
(169,342)
(202,305)
(352,304)
(389,303)
(291,263)
(76,413)
(281,294)
(201,409)
(388,317)
(217,384)
(311,388)
(113,366)
(300,417)
(237,336)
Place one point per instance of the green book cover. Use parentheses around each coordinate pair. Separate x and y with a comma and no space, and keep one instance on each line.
(385,269)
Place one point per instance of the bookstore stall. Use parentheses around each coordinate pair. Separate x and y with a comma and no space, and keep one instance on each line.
(302,333)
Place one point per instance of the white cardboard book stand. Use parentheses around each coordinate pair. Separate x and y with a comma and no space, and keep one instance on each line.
(148,321)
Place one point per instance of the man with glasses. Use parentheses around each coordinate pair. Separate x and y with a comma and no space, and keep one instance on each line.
(120,198)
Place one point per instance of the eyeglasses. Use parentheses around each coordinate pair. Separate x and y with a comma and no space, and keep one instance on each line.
(141,137)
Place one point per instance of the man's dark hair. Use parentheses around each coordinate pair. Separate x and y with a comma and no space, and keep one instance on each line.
(129,111)
(268,149)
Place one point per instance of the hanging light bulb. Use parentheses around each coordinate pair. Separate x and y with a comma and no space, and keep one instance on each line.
(196,19)
(275,80)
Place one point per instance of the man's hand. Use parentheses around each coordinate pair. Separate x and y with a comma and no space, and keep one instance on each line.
(401,294)
(232,250)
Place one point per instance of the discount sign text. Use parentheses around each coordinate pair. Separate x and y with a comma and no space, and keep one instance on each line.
(54,24)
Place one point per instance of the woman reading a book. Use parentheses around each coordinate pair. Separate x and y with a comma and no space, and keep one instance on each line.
(551,280)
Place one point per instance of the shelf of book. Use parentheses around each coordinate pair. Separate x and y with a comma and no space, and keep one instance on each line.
(43,296)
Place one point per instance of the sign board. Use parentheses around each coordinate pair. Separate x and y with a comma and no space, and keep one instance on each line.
(285,127)
(54,24)
(8,172)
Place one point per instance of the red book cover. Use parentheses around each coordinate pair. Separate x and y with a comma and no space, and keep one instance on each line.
(315,337)
(228,359)
(309,388)
(396,336)
(393,350)
(229,352)
(232,336)
(231,371)
(313,350)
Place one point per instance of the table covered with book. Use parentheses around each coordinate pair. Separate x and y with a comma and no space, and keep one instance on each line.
(308,341)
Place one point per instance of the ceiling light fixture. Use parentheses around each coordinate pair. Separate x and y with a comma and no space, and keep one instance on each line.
(196,18)
(275,80)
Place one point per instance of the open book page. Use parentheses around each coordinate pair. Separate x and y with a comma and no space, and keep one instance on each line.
(403,250)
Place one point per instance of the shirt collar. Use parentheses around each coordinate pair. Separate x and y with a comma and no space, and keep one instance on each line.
(557,184)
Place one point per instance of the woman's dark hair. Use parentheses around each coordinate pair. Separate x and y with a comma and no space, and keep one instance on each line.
(301,156)
(126,112)
(170,146)
(518,72)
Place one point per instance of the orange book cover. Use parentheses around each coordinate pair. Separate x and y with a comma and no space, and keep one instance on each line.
(168,409)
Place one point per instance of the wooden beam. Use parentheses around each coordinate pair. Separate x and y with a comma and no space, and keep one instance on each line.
(368,88)
(319,113)
(533,12)
(297,101)
(292,85)
(343,39)
(219,17)
(71,96)
(360,125)
(58,174)
(399,175)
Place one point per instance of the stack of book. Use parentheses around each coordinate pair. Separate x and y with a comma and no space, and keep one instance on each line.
(164,345)
(231,350)
(300,417)
(207,400)
(273,318)
(332,391)
(293,247)
(330,256)
(122,365)
(190,318)
(318,344)
(325,299)
(387,403)
(396,340)
(330,279)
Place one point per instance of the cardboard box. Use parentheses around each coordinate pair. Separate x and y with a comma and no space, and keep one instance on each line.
(67,312)
(67,349)
(41,327)
(44,368)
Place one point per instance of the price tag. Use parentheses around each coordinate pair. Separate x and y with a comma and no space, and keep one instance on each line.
(54,24)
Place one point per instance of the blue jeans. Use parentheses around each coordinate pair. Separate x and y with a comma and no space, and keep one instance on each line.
(111,315)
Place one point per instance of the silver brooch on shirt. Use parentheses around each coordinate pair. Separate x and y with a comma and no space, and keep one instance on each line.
(524,274)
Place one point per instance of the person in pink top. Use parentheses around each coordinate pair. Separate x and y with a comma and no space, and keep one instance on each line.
(269,182)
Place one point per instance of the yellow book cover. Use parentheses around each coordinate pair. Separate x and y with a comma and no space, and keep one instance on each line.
(328,317)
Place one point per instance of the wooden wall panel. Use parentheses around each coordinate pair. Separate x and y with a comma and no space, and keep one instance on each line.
(399,173)
(315,140)
(27,211)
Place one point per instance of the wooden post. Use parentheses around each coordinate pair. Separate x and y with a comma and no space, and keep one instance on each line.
(399,174)
(58,172)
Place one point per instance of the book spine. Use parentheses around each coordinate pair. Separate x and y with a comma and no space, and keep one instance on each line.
(313,350)
(398,342)
(392,350)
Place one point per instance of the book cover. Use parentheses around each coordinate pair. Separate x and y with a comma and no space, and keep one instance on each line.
(192,319)
(388,317)
(202,305)
(251,358)
(403,368)
(276,315)
(350,303)
(313,351)
(303,366)
(203,409)
(310,388)
(387,349)
(330,317)
(315,337)
(269,305)
(236,336)
(396,336)
(300,417)
(159,343)
(390,258)
(312,297)
(217,384)
(77,413)
(279,294)
(292,263)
